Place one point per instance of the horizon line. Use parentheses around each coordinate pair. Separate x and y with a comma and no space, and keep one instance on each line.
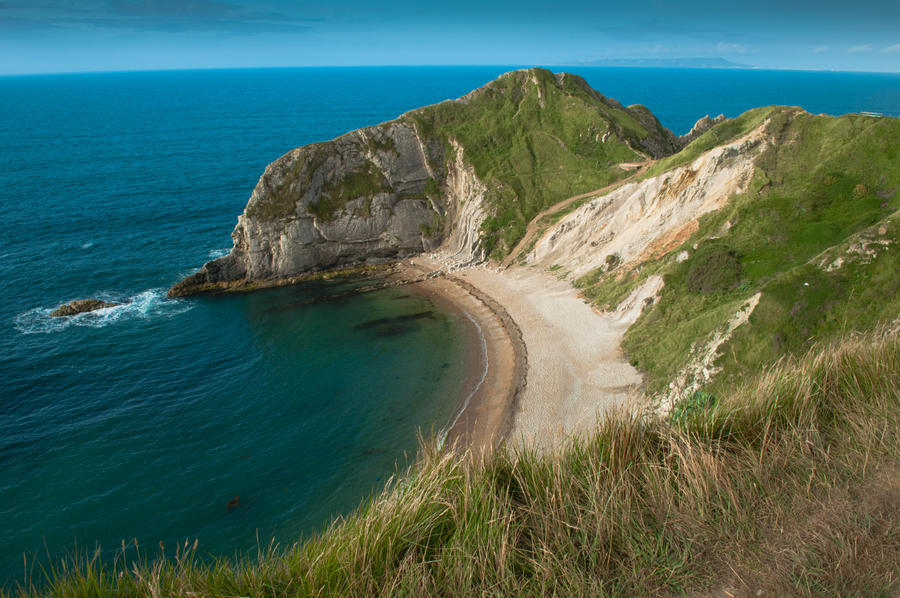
(356,66)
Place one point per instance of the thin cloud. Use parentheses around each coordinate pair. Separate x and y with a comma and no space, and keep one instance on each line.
(148,16)
(895,49)
(821,49)
(860,49)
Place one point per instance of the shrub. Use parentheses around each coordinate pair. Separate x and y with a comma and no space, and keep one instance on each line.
(612,261)
(713,267)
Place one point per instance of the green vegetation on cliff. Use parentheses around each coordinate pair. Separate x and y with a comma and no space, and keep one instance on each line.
(782,474)
(722,133)
(364,182)
(535,138)
(789,484)
(278,195)
(817,234)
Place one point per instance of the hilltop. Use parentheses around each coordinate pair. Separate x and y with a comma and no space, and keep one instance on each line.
(466,174)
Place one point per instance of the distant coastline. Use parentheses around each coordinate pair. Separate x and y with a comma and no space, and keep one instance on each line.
(669,63)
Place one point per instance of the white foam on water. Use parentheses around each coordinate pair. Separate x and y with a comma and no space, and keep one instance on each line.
(148,305)
(484,372)
(87,245)
(217,253)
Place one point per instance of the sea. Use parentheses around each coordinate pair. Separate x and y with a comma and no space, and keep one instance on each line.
(240,421)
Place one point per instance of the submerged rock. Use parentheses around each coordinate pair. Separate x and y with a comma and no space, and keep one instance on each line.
(80,306)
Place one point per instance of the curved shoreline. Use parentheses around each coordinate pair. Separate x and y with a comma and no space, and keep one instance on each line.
(577,370)
(538,330)
(485,363)
(497,357)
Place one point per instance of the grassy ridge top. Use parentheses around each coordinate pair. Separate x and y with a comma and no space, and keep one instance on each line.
(536,138)
(817,234)
(788,484)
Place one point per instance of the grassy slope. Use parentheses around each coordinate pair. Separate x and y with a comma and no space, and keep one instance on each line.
(825,181)
(790,484)
(718,135)
(533,140)
(532,156)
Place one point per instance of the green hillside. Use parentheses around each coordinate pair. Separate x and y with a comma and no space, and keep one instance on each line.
(536,138)
(816,234)
(780,477)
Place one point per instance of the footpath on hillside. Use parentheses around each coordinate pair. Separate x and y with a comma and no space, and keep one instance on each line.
(537,226)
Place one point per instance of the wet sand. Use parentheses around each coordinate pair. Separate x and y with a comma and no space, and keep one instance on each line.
(497,359)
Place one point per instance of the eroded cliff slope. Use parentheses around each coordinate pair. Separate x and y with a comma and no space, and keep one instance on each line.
(470,173)
(766,234)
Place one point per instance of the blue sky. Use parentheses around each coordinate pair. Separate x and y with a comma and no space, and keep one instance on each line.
(40,36)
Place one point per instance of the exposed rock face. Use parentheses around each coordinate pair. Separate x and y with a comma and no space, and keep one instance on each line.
(643,220)
(407,186)
(700,127)
(466,194)
(661,142)
(358,199)
(80,306)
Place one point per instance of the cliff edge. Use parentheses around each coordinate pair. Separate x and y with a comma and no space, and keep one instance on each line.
(466,175)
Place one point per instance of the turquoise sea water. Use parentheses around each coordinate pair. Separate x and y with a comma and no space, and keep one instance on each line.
(143,421)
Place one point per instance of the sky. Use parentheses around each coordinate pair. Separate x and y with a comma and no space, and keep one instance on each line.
(55,36)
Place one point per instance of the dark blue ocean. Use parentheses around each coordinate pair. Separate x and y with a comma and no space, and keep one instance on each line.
(144,421)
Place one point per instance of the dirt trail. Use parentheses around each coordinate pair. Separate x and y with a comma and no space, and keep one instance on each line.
(534,227)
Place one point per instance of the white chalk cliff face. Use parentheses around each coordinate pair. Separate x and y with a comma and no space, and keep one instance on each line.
(465,195)
(285,231)
(390,191)
(643,220)
(383,220)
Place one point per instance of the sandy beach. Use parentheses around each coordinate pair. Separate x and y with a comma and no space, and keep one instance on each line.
(497,358)
(553,365)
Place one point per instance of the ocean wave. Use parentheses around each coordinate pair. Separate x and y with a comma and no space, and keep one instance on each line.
(148,305)
(87,245)
(217,253)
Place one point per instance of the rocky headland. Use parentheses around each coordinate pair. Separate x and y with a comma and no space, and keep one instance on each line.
(737,286)
(686,248)
(433,178)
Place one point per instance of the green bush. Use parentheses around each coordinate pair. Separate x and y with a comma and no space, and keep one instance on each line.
(713,267)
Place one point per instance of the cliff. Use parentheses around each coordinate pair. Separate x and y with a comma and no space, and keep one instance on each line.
(747,236)
(468,174)
(766,234)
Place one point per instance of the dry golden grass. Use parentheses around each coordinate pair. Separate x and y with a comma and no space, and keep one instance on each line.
(790,485)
